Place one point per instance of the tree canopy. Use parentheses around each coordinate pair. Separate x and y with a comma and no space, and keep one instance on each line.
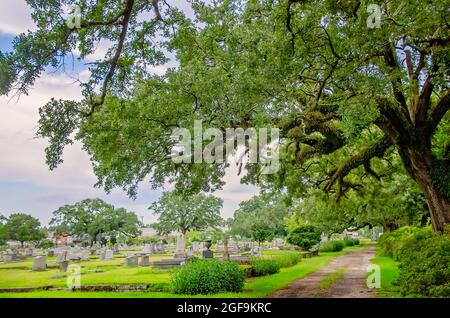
(95,218)
(261,217)
(22,228)
(176,212)
(345,96)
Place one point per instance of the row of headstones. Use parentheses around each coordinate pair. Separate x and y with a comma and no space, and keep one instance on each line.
(156,248)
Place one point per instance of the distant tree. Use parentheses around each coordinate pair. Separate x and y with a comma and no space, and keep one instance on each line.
(305,236)
(2,230)
(179,213)
(260,217)
(95,218)
(261,232)
(22,228)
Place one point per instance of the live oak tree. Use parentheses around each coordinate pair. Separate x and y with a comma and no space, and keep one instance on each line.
(345,96)
(22,228)
(260,218)
(95,218)
(176,212)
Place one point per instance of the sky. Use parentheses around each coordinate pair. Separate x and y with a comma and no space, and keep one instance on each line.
(26,183)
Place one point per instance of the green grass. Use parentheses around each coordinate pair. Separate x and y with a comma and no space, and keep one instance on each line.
(389,272)
(331,279)
(254,287)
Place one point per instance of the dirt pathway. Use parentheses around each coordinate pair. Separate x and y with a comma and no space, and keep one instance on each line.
(345,276)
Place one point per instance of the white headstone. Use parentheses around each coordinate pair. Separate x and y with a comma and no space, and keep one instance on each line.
(39,263)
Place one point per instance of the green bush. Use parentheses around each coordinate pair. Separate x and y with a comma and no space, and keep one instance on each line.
(424,267)
(287,260)
(348,241)
(45,244)
(305,236)
(208,276)
(262,267)
(393,244)
(332,246)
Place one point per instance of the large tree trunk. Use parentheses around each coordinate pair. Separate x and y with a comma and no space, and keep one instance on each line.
(438,204)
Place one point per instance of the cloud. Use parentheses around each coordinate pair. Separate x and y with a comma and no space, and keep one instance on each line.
(15,17)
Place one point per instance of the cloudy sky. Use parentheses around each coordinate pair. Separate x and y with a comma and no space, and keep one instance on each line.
(26,184)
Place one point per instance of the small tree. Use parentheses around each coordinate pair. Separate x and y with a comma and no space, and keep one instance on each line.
(178,213)
(22,228)
(261,232)
(305,236)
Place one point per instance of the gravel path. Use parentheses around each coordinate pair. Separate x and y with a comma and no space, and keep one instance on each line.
(351,285)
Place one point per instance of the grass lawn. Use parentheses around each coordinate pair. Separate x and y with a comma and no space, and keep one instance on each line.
(389,272)
(254,287)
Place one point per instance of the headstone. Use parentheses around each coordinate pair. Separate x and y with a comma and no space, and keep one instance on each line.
(63,266)
(208,254)
(39,263)
(159,248)
(109,254)
(50,253)
(102,255)
(29,252)
(63,256)
(195,247)
(256,251)
(148,249)
(84,254)
(180,251)
(131,260)
(145,260)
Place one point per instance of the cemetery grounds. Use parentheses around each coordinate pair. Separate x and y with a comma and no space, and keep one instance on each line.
(149,282)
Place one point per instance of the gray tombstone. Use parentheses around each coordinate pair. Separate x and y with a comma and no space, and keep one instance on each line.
(148,249)
(63,266)
(39,263)
(29,252)
(102,255)
(145,260)
(208,254)
(131,260)
(62,257)
(50,253)
(109,254)
(84,255)
(180,251)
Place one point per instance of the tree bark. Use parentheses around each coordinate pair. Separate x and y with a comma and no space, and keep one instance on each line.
(438,204)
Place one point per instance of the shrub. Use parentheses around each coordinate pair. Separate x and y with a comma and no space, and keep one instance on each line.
(208,276)
(424,267)
(263,266)
(45,244)
(287,260)
(348,241)
(305,236)
(394,243)
(332,246)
